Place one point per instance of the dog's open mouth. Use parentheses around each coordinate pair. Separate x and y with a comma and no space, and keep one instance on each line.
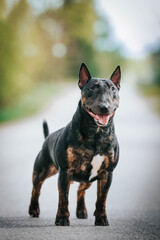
(101,120)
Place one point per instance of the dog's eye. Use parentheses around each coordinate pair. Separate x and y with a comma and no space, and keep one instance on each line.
(113,89)
(93,87)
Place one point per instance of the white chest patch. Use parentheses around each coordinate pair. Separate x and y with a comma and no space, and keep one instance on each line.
(96,164)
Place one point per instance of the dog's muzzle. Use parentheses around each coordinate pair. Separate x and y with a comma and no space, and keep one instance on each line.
(101,120)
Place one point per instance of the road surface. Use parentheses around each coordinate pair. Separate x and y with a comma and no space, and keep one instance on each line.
(133,204)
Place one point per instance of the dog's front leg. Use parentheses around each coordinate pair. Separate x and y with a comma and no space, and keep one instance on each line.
(62,218)
(102,191)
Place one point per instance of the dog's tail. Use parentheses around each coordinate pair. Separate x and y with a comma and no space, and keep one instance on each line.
(45,129)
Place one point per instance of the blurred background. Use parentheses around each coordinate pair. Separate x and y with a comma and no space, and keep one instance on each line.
(43,42)
(42,45)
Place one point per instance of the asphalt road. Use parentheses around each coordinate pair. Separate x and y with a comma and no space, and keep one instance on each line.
(133,204)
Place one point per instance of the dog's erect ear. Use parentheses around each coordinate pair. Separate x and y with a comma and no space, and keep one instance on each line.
(84,75)
(116,77)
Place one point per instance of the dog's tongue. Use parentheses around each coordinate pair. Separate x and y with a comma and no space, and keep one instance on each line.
(102,119)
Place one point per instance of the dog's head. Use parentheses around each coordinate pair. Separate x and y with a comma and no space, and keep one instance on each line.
(100,96)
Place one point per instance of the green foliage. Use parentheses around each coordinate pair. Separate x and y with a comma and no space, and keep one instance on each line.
(72,26)
(150,90)
(3,8)
(12,62)
(18,17)
(7,61)
(150,83)
(29,103)
(107,63)
(155,58)
(45,47)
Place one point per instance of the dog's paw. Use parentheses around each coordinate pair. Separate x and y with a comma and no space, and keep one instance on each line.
(34,210)
(101,221)
(82,213)
(62,221)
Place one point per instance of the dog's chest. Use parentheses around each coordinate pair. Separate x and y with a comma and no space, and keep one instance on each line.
(84,165)
(96,164)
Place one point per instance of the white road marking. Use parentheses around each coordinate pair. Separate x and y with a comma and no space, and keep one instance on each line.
(96,164)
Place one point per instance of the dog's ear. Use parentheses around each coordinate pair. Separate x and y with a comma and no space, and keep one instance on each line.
(116,77)
(84,75)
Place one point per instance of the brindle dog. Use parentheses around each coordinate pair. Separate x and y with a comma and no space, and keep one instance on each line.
(85,150)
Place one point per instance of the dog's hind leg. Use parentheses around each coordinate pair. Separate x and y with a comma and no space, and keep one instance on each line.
(81,211)
(40,173)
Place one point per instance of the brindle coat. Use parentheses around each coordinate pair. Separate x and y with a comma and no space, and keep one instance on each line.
(71,150)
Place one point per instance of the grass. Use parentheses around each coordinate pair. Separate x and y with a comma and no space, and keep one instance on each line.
(30,103)
(152,92)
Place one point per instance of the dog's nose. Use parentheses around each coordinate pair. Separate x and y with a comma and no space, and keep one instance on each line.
(103,107)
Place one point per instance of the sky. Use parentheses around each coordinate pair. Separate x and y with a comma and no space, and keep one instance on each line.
(136,24)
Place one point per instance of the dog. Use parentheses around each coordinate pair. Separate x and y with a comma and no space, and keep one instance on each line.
(85,150)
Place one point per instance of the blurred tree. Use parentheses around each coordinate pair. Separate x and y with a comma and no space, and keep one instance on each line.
(16,67)
(3,8)
(6,62)
(71,25)
(20,14)
(79,17)
(50,45)
(155,57)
